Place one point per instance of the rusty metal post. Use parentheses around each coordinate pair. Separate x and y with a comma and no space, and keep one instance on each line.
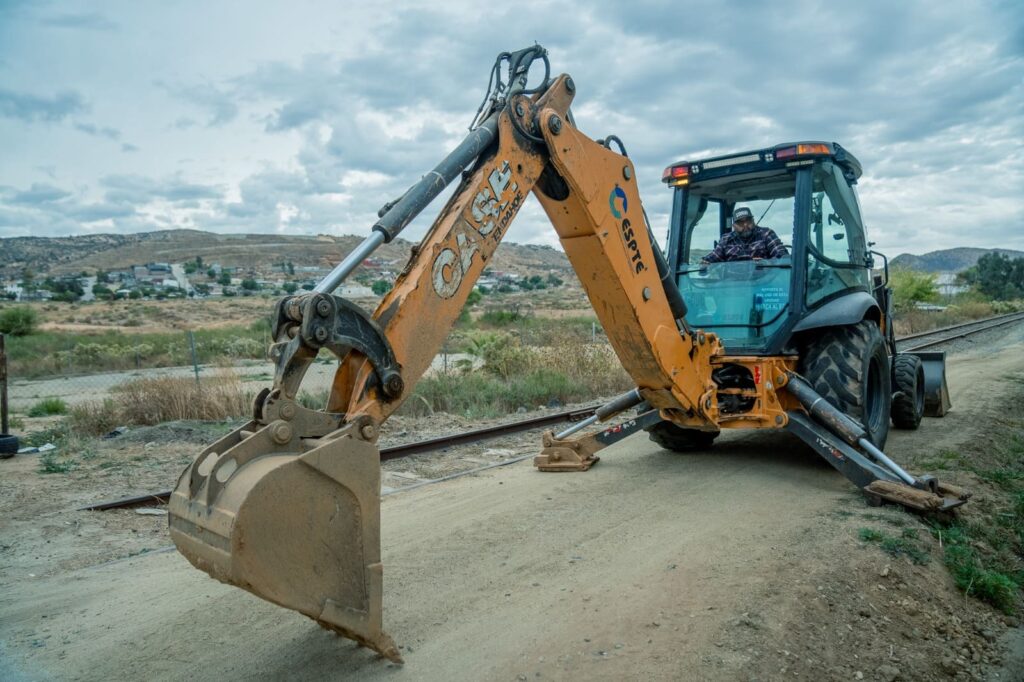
(195,361)
(3,386)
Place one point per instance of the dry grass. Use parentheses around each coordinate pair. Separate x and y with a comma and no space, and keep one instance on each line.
(964,310)
(163,399)
(591,364)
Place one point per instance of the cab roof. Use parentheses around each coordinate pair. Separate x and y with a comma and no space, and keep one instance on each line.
(780,156)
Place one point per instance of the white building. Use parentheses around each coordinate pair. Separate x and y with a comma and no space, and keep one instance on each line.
(947,285)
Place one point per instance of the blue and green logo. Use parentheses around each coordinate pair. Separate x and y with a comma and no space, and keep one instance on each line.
(618,193)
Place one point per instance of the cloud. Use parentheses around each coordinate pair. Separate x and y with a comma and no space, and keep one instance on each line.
(31,108)
(140,190)
(95,212)
(39,193)
(313,134)
(98,131)
(86,20)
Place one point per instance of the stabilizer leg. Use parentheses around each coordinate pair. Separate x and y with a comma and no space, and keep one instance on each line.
(578,454)
(844,445)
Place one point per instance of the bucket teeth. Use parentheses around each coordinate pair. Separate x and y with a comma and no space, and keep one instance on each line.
(298,527)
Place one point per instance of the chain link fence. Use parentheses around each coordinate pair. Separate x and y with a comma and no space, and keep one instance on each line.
(78,372)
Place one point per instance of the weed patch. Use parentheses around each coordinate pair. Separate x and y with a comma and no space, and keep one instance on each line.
(903,545)
(983,548)
(974,573)
(51,463)
(48,407)
(52,434)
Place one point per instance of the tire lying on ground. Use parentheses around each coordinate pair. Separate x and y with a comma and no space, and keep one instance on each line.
(8,445)
(849,367)
(678,439)
(908,391)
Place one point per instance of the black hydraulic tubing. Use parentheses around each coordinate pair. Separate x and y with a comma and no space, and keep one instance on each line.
(434,182)
(824,411)
(607,411)
(676,302)
(415,199)
(840,424)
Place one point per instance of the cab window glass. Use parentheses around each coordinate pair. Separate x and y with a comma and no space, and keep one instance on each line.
(835,219)
(702,225)
(776,214)
(835,238)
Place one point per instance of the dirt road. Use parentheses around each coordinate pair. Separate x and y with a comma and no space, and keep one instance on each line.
(740,563)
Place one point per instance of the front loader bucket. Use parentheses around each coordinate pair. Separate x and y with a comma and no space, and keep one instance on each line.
(936,391)
(300,529)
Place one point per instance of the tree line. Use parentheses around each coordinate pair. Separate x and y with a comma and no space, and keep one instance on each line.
(997,276)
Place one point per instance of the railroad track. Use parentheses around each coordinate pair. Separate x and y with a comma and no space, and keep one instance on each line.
(919,341)
(407,449)
(936,337)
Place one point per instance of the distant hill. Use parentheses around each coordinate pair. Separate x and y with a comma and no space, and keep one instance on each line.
(948,260)
(257,252)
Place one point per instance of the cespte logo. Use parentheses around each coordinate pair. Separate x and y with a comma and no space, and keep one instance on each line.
(618,193)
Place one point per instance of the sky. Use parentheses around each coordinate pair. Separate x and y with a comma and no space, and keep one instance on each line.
(305,117)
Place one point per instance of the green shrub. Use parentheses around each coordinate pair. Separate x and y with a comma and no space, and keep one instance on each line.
(50,464)
(48,407)
(500,318)
(18,321)
(910,287)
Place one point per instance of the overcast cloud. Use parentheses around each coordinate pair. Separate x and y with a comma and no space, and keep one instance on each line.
(305,117)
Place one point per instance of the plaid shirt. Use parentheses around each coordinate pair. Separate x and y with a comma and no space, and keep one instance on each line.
(764,243)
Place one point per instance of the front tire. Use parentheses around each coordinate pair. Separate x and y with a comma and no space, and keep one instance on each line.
(849,367)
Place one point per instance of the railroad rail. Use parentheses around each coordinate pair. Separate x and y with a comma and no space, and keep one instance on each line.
(404,450)
(919,341)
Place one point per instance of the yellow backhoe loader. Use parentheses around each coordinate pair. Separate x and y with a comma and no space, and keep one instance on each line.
(288,505)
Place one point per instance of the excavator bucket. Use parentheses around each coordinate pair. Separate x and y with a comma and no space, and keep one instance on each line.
(936,391)
(293,520)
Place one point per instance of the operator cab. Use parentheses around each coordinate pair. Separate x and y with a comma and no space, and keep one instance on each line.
(805,193)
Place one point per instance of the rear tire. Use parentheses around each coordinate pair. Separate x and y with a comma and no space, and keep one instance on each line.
(678,439)
(849,367)
(908,401)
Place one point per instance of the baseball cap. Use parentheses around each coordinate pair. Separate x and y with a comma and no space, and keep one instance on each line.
(741,213)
